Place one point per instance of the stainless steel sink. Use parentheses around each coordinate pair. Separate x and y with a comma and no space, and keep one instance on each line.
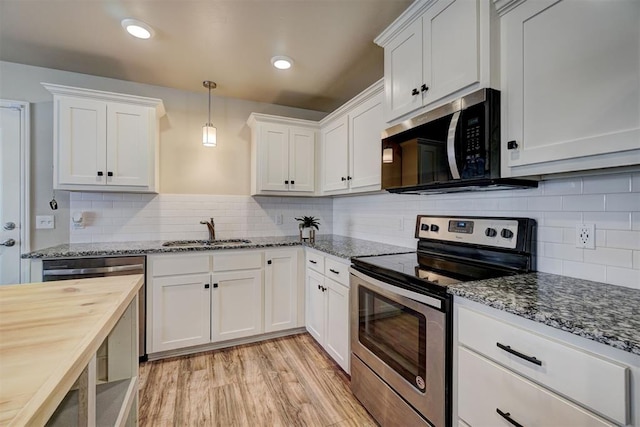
(205,243)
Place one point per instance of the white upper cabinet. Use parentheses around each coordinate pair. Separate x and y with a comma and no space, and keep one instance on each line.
(104,141)
(571,85)
(433,51)
(351,144)
(282,155)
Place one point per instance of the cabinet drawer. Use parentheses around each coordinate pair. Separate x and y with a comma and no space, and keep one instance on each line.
(485,387)
(171,265)
(336,271)
(315,261)
(592,381)
(232,260)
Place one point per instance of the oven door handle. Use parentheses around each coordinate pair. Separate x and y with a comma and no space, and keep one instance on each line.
(451,145)
(93,270)
(425,299)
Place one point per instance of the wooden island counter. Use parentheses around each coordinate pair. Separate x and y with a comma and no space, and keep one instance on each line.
(49,335)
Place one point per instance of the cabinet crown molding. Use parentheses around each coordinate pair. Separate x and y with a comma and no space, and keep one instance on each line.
(256,118)
(505,6)
(407,17)
(155,103)
(363,96)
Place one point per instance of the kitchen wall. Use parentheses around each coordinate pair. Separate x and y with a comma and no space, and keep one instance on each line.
(611,202)
(128,217)
(185,165)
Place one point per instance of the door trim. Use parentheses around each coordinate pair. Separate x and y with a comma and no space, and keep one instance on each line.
(25,174)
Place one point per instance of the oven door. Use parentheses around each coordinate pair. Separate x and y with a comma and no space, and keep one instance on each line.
(401,336)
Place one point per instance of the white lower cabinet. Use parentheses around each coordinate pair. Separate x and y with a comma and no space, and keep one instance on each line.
(199,299)
(510,374)
(236,305)
(327,309)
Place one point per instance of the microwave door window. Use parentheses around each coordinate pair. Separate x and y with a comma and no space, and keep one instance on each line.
(432,161)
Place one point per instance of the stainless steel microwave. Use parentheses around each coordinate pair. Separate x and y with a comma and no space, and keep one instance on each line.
(455,147)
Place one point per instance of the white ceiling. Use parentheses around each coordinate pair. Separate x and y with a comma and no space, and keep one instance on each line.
(227,41)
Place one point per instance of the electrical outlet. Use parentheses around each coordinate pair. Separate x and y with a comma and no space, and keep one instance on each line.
(586,236)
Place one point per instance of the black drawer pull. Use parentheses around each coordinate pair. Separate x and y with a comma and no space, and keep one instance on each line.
(109,173)
(313,262)
(215,285)
(333,271)
(206,286)
(100,173)
(520,355)
(507,416)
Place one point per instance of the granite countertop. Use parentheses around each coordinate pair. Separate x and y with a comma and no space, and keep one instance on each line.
(600,312)
(340,246)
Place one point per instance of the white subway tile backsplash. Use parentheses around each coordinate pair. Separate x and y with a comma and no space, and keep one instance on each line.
(583,203)
(622,202)
(636,260)
(585,271)
(562,219)
(609,220)
(623,239)
(545,203)
(549,265)
(609,256)
(635,182)
(550,234)
(562,251)
(561,186)
(623,277)
(606,184)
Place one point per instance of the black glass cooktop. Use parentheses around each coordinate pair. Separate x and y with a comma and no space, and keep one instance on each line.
(426,272)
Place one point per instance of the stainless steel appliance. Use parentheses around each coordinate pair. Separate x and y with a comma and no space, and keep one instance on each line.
(84,268)
(401,313)
(455,147)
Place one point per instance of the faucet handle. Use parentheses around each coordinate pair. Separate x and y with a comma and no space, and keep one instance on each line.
(212,221)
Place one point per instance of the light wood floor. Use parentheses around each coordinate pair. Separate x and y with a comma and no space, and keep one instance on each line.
(282,382)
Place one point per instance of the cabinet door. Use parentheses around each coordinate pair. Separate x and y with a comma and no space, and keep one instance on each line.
(451,58)
(335,159)
(365,127)
(128,153)
(274,157)
(301,160)
(281,290)
(81,141)
(315,306)
(572,69)
(181,310)
(403,72)
(337,323)
(236,309)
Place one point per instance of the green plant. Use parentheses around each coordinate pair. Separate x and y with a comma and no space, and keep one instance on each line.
(308,222)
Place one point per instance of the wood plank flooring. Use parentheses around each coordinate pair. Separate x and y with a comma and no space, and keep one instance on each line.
(286,381)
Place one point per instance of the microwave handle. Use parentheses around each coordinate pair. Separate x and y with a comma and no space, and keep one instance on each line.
(451,146)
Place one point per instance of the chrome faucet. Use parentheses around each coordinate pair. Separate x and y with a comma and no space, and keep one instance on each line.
(211,226)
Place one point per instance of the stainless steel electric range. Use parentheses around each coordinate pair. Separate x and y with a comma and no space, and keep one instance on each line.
(401,313)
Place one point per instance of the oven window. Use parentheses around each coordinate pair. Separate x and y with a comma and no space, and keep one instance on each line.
(394,333)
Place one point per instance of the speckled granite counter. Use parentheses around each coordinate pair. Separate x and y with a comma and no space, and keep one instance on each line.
(340,246)
(604,313)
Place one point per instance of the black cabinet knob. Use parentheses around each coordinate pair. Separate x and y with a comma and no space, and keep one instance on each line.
(286,182)
(206,286)
(349,178)
(293,182)
(269,262)
(215,285)
(415,92)
(506,233)
(109,173)
(343,179)
(512,145)
(100,173)
(424,88)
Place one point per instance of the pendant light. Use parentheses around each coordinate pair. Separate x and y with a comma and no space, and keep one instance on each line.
(209,138)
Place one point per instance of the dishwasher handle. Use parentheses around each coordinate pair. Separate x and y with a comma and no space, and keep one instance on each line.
(94,270)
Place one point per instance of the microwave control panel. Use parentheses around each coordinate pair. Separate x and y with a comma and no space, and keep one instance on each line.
(474,154)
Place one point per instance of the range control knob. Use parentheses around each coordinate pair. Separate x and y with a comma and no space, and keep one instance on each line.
(506,233)
(434,228)
(424,227)
(490,232)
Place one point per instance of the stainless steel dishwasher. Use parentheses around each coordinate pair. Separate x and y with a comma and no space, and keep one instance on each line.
(85,268)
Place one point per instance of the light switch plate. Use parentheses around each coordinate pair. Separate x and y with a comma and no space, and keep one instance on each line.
(45,221)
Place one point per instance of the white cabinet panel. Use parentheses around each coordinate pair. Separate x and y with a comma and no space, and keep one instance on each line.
(572,70)
(337,323)
(274,157)
(281,290)
(181,307)
(335,158)
(484,388)
(315,308)
(236,309)
(302,160)
(366,124)
(128,145)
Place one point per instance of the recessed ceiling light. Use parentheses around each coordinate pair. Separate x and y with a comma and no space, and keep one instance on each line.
(282,62)
(137,28)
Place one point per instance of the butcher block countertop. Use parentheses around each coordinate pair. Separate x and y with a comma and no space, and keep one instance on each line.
(48,334)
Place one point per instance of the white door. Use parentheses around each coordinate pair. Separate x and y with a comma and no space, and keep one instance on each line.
(403,72)
(451,58)
(237,302)
(128,144)
(315,306)
(281,290)
(274,157)
(335,160)
(337,323)
(13,189)
(82,141)
(181,311)
(365,126)
(301,159)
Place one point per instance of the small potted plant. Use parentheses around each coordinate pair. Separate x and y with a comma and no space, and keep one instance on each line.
(306,226)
